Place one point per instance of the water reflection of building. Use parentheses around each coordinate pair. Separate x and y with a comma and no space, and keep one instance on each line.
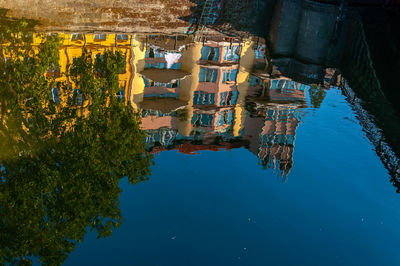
(274,115)
(207,96)
(271,130)
(72,47)
(201,95)
(209,110)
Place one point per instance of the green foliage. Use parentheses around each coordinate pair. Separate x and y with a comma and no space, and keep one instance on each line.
(317,95)
(61,163)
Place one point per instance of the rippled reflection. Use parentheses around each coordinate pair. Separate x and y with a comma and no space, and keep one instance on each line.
(80,111)
(71,108)
(213,94)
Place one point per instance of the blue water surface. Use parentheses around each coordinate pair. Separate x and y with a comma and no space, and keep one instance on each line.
(337,206)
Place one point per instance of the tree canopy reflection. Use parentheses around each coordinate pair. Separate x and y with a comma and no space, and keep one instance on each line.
(64,148)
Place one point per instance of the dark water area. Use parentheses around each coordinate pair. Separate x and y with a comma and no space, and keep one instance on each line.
(221,133)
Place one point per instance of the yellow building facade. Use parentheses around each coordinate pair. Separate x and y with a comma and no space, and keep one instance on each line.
(135,51)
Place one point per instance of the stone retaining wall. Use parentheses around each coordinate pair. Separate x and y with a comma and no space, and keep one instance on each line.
(103,15)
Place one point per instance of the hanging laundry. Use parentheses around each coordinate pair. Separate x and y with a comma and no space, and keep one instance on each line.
(172,58)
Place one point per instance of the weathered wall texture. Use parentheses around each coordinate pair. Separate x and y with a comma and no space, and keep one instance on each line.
(103,15)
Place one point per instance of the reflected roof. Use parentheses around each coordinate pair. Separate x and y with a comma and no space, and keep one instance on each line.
(192,149)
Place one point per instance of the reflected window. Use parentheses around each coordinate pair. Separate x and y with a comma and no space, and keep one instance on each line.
(150,53)
(155,53)
(210,53)
(121,37)
(286,85)
(121,93)
(163,136)
(254,81)
(158,65)
(77,97)
(151,83)
(228,98)
(208,75)
(202,120)
(77,37)
(260,52)
(229,75)
(277,139)
(225,118)
(55,96)
(100,37)
(167,137)
(203,98)
(123,70)
(232,53)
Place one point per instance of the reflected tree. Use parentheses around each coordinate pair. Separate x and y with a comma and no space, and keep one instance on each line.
(317,95)
(61,159)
